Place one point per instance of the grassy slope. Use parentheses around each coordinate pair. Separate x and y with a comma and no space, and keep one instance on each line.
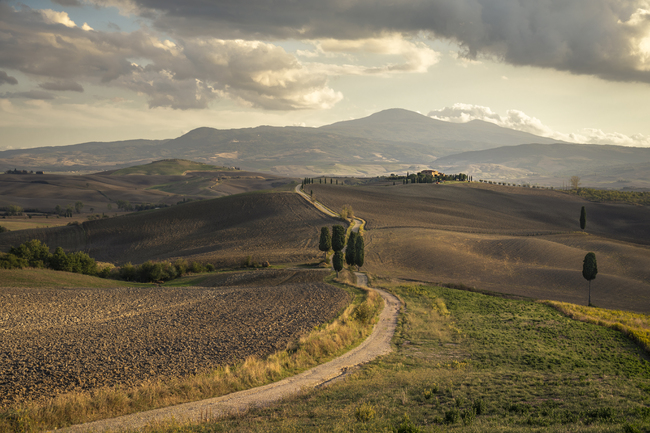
(469,362)
(166,167)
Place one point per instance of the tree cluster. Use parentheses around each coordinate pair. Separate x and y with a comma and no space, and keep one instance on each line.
(13,210)
(354,251)
(159,271)
(34,254)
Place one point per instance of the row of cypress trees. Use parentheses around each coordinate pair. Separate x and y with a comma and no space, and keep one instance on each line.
(354,248)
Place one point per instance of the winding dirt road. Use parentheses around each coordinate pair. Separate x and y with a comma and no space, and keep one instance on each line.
(377,344)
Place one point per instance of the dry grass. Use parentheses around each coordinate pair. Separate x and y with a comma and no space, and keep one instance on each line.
(323,343)
(634,325)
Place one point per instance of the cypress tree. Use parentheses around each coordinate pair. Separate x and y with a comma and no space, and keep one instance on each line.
(350,249)
(359,253)
(338,237)
(338,262)
(325,243)
(589,270)
(583,218)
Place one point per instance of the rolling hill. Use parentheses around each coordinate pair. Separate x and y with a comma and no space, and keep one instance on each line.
(518,241)
(278,227)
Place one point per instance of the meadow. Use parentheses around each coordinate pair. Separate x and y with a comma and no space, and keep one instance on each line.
(466,361)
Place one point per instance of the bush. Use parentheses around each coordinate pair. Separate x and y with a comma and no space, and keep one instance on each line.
(364,413)
(10,261)
(3,229)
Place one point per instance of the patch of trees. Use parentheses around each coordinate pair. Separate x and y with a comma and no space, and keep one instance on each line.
(35,254)
(13,210)
(354,249)
(151,271)
(3,229)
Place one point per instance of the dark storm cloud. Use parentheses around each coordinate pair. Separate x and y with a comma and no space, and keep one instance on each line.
(62,86)
(6,79)
(596,37)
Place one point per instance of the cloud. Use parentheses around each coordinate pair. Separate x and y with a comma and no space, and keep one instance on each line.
(6,79)
(182,74)
(520,121)
(605,38)
(417,56)
(31,94)
(61,86)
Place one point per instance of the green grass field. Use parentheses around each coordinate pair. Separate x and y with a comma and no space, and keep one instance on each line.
(466,361)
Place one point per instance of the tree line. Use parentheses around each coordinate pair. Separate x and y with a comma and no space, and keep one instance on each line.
(35,254)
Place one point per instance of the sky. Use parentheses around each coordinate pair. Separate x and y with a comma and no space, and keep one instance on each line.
(74,71)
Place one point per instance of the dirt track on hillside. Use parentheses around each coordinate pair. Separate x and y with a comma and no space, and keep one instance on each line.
(59,340)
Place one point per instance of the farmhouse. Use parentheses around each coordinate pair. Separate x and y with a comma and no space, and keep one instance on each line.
(432,173)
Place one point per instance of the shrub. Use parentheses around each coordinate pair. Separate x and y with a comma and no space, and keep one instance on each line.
(3,229)
(407,426)
(364,413)
(452,416)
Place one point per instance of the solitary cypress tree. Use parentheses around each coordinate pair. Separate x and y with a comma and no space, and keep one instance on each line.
(589,270)
(338,237)
(359,253)
(583,218)
(351,248)
(338,262)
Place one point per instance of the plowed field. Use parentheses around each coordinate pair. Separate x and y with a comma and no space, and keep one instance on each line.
(59,340)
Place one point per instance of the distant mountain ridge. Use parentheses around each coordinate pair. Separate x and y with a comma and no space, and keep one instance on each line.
(390,141)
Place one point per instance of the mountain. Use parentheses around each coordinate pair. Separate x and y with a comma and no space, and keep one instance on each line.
(398,125)
(391,141)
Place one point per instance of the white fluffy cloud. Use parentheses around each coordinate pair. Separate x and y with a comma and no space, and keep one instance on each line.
(185,73)
(520,121)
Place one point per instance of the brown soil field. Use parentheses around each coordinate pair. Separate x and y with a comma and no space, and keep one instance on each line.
(503,239)
(478,208)
(60,340)
(44,192)
(278,227)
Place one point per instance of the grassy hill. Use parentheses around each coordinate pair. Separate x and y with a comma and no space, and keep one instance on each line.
(278,227)
(503,239)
